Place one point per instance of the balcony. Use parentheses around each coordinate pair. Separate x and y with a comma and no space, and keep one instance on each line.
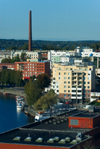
(73,88)
(79,89)
(79,97)
(73,93)
(79,93)
(73,97)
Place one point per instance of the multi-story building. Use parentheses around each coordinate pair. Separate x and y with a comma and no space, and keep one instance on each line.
(73,82)
(7,66)
(29,54)
(33,68)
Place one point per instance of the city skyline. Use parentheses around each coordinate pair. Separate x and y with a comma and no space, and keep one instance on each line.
(51,20)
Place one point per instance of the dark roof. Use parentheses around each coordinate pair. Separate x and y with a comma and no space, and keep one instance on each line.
(50,128)
(86,114)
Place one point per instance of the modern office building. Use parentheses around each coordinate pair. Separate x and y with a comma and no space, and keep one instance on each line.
(73,82)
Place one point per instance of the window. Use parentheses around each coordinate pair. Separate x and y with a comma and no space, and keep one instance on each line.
(68,95)
(88,96)
(67,69)
(88,82)
(88,86)
(64,73)
(84,82)
(68,77)
(68,82)
(64,90)
(59,78)
(64,95)
(68,73)
(59,73)
(59,68)
(68,86)
(88,91)
(69,91)
(84,78)
(73,122)
(65,86)
(64,82)
(65,77)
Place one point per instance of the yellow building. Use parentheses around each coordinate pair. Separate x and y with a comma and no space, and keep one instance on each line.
(74,82)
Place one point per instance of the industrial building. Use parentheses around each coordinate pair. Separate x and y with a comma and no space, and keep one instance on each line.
(55,133)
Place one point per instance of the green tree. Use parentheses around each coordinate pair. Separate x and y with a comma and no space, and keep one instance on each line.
(25,46)
(18,78)
(46,101)
(43,80)
(6,60)
(23,56)
(32,92)
(16,59)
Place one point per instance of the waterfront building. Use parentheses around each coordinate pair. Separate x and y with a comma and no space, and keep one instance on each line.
(73,81)
(70,130)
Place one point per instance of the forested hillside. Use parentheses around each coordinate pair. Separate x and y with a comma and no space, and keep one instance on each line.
(10,44)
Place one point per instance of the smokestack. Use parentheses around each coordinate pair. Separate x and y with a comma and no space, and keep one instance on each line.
(30,33)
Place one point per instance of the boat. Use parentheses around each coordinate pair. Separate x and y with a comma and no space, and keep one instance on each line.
(20,103)
(42,116)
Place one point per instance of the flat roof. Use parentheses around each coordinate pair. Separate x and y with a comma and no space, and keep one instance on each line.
(86,114)
(56,126)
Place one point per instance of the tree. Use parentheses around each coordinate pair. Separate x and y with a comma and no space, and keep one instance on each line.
(6,60)
(43,80)
(18,78)
(25,46)
(23,56)
(32,92)
(46,101)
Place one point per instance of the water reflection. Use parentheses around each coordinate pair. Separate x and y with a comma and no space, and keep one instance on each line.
(10,116)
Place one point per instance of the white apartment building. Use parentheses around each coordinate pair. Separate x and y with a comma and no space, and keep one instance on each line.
(73,82)
(30,54)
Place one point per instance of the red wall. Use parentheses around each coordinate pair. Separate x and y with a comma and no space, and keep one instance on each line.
(19,146)
(82,122)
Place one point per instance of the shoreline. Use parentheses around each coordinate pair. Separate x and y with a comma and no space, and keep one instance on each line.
(13,91)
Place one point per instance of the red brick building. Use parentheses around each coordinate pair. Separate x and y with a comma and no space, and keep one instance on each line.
(33,68)
(7,66)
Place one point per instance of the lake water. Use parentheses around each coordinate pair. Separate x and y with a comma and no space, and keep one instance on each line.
(10,117)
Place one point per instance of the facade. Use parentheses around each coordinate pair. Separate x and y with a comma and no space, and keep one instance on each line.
(7,66)
(33,68)
(73,82)
(5,54)
(30,54)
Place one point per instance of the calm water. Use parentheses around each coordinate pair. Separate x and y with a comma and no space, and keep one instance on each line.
(10,117)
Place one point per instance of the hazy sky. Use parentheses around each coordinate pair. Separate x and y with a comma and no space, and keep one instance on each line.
(51,19)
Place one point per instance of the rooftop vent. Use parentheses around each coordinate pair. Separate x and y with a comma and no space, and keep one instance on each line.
(51,140)
(39,139)
(62,141)
(17,138)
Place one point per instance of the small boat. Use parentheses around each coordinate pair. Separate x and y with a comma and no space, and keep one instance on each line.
(42,116)
(20,103)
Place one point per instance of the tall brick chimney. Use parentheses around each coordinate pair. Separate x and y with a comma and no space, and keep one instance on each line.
(30,33)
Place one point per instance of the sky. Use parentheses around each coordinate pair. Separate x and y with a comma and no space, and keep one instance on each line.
(62,20)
